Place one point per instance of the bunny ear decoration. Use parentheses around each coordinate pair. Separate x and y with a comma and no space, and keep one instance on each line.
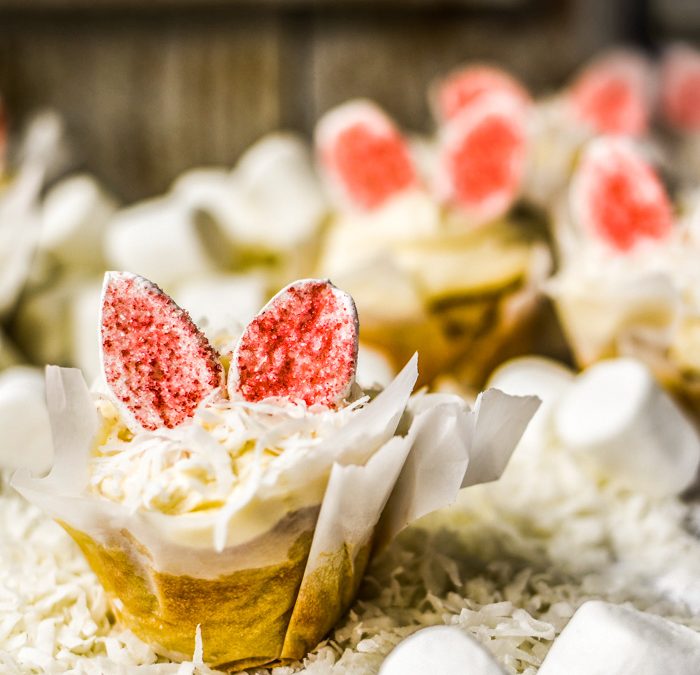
(157,363)
(614,94)
(483,151)
(301,346)
(365,158)
(465,86)
(617,198)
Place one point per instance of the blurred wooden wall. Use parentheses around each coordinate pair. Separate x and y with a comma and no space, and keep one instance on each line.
(149,88)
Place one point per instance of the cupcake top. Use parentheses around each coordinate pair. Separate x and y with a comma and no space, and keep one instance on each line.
(185,429)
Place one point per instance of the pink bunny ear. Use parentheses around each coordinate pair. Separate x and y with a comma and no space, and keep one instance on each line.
(617,197)
(614,94)
(364,156)
(155,360)
(680,88)
(482,158)
(464,87)
(301,346)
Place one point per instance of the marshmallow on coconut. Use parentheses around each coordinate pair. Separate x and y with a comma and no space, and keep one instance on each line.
(606,639)
(616,413)
(74,215)
(541,377)
(160,239)
(440,650)
(24,420)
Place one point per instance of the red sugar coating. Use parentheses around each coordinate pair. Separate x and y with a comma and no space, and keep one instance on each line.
(155,360)
(488,161)
(680,89)
(466,86)
(611,100)
(624,200)
(372,165)
(302,346)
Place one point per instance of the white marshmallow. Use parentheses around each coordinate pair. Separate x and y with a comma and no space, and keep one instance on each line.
(160,240)
(440,650)
(223,303)
(374,368)
(617,413)
(25,440)
(534,375)
(278,176)
(85,328)
(606,639)
(73,219)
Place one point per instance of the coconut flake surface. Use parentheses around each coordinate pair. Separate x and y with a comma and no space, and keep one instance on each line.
(509,564)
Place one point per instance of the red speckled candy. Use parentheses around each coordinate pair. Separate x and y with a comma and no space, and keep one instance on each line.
(617,196)
(364,154)
(680,88)
(466,86)
(302,346)
(483,156)
(613,94)
(155,360)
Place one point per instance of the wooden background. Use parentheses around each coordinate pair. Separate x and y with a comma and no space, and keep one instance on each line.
(151,87)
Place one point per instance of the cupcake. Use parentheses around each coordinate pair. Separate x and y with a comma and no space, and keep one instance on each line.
(462,276)
(679,106)
(628,283)
(243,492)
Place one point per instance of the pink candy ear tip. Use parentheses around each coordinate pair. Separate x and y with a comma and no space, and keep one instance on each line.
(301,346)
(617,196)
(465,87)
(157,363)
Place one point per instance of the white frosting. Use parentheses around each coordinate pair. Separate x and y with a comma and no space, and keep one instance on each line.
(214,457)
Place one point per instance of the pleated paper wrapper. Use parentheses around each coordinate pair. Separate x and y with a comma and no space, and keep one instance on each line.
(271,599)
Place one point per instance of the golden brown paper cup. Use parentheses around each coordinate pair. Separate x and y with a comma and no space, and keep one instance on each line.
(249,617)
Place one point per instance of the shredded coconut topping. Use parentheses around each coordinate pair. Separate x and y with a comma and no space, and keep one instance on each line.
(206,461)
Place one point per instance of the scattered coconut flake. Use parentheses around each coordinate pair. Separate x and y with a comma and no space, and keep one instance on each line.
(155,360)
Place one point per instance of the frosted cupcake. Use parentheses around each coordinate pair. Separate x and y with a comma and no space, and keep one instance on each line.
(461,276)
(628,283)
(244,491)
